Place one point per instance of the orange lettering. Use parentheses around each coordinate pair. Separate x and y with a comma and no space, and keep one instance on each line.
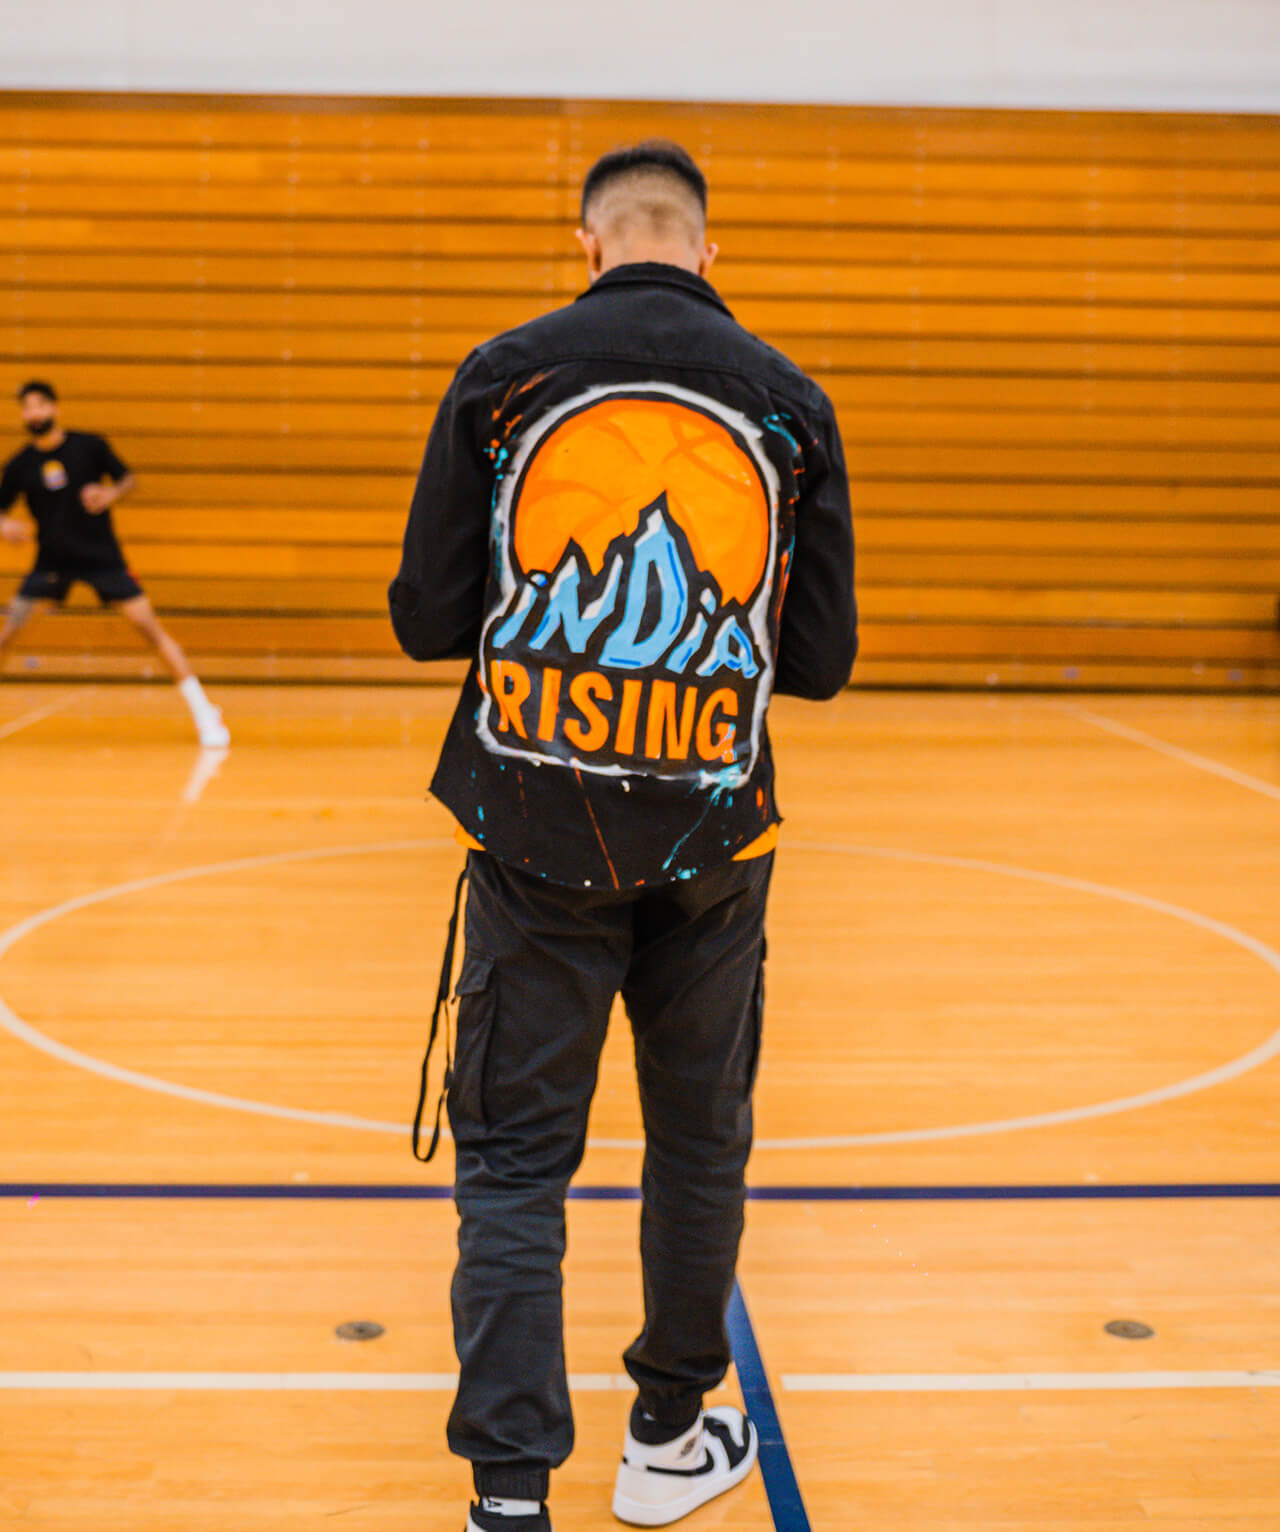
(511,688)
(627,714)
(583,689)
(662,720)
(717,746)
(550,704)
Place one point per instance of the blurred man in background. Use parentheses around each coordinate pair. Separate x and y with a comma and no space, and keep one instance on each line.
(70,480)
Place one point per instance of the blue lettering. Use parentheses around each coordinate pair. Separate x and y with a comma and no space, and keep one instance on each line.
(655,549)
(515,622)
(678,659)
(731,649)
(563,610)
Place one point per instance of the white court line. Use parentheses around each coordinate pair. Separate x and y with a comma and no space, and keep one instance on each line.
(12,1022)
(1017,1382)
(604,1382)
(1266,1051)
(346,1382)
(1175,752)
(25,720)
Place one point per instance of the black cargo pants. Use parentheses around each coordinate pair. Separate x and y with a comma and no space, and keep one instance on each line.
(542,966)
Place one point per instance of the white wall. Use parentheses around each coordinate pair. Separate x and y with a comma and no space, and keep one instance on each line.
(1215,55)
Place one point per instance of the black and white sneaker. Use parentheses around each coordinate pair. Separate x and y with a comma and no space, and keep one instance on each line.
(485,1518)
(657,1485)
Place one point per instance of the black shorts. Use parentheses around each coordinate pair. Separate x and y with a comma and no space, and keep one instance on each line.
(112,582)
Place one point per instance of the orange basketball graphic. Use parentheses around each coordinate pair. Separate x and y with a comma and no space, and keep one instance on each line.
(631,630)
(595,473)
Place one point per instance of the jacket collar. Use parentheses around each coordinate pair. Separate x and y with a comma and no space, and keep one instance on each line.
(656,274)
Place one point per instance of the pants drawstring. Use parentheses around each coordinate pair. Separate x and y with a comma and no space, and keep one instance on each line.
(441,1012)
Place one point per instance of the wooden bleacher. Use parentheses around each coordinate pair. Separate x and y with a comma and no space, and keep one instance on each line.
(1053,340)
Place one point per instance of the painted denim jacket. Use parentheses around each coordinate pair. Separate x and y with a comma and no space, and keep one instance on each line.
(633,518)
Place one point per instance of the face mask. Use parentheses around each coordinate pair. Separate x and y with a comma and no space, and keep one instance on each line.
(40,427)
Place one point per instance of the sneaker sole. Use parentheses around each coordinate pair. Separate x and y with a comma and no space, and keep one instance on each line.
(636,1512)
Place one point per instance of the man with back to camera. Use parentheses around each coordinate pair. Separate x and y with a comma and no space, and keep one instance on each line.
(633,517)
(61,475)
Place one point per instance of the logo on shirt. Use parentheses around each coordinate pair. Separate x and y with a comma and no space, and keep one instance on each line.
(635,538)
(55,475)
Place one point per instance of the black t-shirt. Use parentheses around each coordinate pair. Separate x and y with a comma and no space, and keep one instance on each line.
(69,537)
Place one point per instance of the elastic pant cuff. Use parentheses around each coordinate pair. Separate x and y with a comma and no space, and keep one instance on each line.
(664,1424)
(512,1481)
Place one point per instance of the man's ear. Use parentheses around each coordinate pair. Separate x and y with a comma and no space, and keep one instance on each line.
(591,249)
(707,259)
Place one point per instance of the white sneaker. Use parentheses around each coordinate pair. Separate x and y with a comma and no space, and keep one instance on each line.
(482,1518)
(658,1485)
(214,734)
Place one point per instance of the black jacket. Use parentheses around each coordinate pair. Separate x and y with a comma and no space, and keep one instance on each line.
(633,517)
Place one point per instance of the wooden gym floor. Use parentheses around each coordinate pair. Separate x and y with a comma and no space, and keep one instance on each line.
(1020,1080)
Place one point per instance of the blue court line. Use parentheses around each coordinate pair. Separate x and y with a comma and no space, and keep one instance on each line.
(1091,1193)
(781,1487)
(393,1192)
(785,1502)
(780,1483)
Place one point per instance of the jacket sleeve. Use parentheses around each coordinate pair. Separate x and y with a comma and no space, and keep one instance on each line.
(437,598)
(818,632)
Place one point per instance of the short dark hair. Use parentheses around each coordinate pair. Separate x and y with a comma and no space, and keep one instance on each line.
(659,154)
(38,386)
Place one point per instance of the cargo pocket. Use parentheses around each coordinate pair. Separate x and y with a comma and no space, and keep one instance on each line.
(477,997)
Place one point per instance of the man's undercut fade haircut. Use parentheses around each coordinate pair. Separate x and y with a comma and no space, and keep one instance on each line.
(656,156)
(38,386)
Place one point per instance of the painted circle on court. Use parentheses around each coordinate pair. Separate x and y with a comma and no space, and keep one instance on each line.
(1233,1069)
